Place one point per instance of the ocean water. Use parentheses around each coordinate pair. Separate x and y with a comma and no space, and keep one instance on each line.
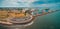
(49,21)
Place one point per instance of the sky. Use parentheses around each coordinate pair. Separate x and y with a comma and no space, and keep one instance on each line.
(31,3)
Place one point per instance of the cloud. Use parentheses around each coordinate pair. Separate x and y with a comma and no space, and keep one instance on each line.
(9,3)
(17,3)
(28,3)
(47,5)
(50,5)
(46,2)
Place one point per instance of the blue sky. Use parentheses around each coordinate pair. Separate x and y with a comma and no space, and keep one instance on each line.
(31,3)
